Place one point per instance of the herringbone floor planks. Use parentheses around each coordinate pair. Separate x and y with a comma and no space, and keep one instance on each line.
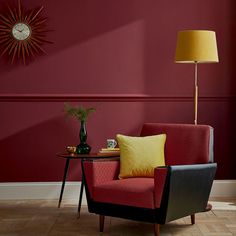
(43,218)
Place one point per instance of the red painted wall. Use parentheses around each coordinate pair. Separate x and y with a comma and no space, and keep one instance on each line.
(117,56)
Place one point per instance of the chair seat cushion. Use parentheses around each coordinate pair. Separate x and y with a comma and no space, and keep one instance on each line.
(137,192)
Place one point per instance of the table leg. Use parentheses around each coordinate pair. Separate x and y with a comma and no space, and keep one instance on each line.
(64,180)
(81,195)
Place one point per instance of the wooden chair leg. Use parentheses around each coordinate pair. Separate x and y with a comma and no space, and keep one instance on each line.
(101,222)
(208,207)
(156,229)
(193,219)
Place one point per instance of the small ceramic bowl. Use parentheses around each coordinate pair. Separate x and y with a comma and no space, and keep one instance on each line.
(71,149)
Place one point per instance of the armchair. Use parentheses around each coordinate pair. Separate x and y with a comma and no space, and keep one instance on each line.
(179,189)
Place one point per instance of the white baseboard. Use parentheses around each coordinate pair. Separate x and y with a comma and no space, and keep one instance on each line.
(223,188)
(51,190)
(40,190)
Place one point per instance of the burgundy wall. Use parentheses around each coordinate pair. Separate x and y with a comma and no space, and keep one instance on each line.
(117,56)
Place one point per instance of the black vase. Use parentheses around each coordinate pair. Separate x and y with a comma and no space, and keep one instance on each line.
(83,147)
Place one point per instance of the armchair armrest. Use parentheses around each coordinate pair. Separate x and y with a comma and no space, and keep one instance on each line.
(99,171)
(187,189)
(160,174)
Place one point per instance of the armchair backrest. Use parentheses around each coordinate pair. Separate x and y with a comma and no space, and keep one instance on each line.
(186,144)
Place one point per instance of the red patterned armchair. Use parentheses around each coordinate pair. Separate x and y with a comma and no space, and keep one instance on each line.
(179,189)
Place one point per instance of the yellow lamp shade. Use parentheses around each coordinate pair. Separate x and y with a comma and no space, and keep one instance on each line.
(196,46)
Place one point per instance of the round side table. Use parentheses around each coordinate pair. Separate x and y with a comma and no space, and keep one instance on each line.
(80,157)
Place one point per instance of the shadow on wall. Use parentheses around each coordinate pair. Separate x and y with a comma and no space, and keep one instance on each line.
(33,133)
(232,113)
(76,21)
(79,21)
(28,152)
(73,23)
(232,49)
(30,155)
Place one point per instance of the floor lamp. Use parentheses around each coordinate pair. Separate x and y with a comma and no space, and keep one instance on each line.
(196,46)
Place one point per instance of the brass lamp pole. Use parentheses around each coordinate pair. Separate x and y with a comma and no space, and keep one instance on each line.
(195,94)
(196,46)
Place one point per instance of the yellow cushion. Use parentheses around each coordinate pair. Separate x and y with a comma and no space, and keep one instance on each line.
(140,155)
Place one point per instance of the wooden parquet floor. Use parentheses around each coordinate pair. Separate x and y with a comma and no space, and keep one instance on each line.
(43,218)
